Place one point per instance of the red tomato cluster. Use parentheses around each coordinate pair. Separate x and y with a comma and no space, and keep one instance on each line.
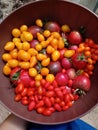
(50,65)
(46,97)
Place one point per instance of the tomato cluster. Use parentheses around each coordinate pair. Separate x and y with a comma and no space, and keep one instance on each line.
(50,65)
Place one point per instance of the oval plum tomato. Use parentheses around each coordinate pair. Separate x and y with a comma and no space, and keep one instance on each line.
(61,78)
(75,37)
(52,26)
(79,60)
(82,82)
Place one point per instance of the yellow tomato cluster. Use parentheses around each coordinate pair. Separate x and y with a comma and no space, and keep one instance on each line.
(19,53)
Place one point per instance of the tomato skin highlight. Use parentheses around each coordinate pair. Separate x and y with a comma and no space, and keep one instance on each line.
(75,37)
(61,78)
(82,82)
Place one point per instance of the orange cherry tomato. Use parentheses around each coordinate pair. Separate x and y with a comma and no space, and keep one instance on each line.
(55,55)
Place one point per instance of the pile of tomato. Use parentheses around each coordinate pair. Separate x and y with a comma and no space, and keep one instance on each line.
(49,65)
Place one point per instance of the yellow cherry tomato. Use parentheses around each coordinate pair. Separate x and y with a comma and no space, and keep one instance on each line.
(14,53)
(61,44)
(18,45)
(20,52)
(41,56)
(50,78)
(24,65)
(40,37)
(46,33)
(44,44)
(39,22)
(32,72)
(23,28)
(69,53)
(9,46)
(32,52)
(44,71)
(25,56)
(6,57)
(22,38)
(38,47)
(65,28)
(13,63)
(49,49)
(45,62)
(56,35)
(16,32)
(6,70)
(38,77)
(25,46)
(55,55)
(54,43)
(33,61)
(49,39)
(15,39)
(27,36)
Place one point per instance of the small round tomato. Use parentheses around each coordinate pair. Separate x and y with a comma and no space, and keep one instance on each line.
(16,32)
(24,64)
(44,71)
(50,78)
(40,37)
(65,28)
(46,33)
(9,46)
(38,77)
(15,39)
(55,55)
(39,22)
(32,72)
(14,53)
(27,36)
(45,62)
(18,45)
(38,47)
(6,70)
(23,28)
(25,56)
(49,49)
(41,56)
(69,53)
(25,46)
(6,57)
(13,63)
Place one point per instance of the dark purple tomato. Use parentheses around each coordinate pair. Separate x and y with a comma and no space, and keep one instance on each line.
(55,67)
(52,26)
(33,43)
(34,30)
